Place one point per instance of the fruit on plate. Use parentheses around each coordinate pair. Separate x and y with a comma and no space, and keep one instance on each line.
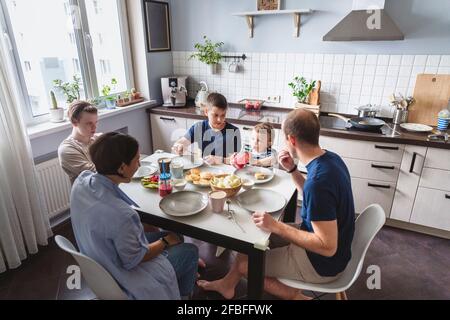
(150,182)
(227,182)
(240,160)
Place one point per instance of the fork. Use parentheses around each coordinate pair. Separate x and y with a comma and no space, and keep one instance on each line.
(232,216)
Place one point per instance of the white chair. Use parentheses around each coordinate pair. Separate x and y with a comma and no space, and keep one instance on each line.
(367,226)
(98,279)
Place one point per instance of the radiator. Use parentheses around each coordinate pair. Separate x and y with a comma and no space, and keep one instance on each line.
(55,186)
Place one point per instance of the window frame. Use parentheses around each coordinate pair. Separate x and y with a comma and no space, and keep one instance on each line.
(84,42)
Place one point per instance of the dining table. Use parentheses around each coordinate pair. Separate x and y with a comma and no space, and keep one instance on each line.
(239,234)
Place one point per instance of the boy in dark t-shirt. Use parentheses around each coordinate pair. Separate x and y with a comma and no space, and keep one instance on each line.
(216,138)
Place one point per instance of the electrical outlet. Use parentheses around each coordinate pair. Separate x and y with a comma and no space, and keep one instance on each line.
(274,99)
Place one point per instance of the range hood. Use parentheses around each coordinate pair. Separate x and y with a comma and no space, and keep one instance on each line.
(368,21)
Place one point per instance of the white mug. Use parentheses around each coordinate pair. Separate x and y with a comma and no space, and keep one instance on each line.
(234,67)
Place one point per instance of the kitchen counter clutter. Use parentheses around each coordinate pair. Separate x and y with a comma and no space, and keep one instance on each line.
(331,127)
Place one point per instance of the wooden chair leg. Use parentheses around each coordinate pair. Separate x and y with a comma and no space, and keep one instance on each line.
(341,296)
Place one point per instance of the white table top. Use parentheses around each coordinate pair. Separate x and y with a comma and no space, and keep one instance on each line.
(148,201)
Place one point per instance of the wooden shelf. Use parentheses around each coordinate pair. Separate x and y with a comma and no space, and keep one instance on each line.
(250,17)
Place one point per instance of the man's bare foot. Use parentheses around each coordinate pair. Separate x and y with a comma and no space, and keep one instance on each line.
(301,296)
(201,263)
(218,286)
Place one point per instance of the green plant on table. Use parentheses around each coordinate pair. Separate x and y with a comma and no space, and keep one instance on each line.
(71,90)
(208,52)
(301,88)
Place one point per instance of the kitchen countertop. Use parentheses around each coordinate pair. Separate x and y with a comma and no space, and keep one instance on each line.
(331,127)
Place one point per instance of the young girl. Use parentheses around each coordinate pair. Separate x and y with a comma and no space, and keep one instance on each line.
(262,139)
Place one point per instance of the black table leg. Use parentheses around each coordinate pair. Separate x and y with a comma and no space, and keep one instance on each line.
(256,274)
(290,212)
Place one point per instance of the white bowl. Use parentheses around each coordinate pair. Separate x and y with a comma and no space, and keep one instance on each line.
(179,185)
(248,184)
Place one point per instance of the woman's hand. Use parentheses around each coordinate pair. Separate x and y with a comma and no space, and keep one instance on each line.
(213,160)
(286,161)
(265,222)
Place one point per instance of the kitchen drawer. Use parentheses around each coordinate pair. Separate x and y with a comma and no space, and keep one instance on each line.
(367,192)
(364,150)
(166,130)
(438,159)
(372,170)
(432,209)
(435,179)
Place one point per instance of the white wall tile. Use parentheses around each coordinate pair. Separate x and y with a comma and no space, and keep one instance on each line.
(347,80)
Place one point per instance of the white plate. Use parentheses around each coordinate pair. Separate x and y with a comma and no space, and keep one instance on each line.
(261,200)
(145,171)
(184,203)
(188,164)
(416,127)
(249,174)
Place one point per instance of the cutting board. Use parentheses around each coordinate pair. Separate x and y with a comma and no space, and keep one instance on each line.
(432,93)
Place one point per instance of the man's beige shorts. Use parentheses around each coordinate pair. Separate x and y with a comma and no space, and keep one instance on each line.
(285,260)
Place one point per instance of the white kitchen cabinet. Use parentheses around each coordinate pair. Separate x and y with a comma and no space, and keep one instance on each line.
(364,150)
(435,179)
(367,192)
(438,159)
(373,170)
(166,130)
(246,135)
(408,182)
(432,209)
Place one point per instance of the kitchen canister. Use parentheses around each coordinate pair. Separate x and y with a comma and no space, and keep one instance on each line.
(443,120)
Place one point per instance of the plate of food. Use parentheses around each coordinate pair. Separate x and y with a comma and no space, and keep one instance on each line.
(416,127)
(145,171)
(151,182)
(201,177)
(257,174)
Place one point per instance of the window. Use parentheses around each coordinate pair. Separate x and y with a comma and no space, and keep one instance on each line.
(76,66)
(72,38)
(61,47)
(27,66)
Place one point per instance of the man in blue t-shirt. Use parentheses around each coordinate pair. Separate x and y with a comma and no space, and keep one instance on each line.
(216,138)
(318,250)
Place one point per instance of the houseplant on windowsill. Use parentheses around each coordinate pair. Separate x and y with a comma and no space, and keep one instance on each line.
(308,96)
(56,113)
(109,98)
(208,53)
(71,90)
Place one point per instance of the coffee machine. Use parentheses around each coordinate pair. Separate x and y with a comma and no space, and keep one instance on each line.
(174,91)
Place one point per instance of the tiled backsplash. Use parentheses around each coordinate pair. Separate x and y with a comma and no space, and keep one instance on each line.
(348,81)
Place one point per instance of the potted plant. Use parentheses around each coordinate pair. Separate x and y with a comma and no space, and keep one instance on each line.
(56,113)
(109,98)
(135,95)
(208,53)
(71,90)
(302,89)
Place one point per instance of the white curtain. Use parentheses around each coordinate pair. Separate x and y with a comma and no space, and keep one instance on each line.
(23,223)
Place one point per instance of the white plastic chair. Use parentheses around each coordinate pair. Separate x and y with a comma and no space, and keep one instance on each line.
(368,224)
(98,279)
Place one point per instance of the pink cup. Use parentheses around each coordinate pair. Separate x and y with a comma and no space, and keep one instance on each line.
(217,199)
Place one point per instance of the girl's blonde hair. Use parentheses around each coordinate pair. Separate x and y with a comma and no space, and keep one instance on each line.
(268,129)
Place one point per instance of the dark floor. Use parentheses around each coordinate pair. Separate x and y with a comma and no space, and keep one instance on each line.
(413,266)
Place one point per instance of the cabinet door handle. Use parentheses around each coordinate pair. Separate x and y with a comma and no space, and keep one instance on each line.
(167,119)
(413,162)
(447,196)
(378,186)
(376,166)
(386,148)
